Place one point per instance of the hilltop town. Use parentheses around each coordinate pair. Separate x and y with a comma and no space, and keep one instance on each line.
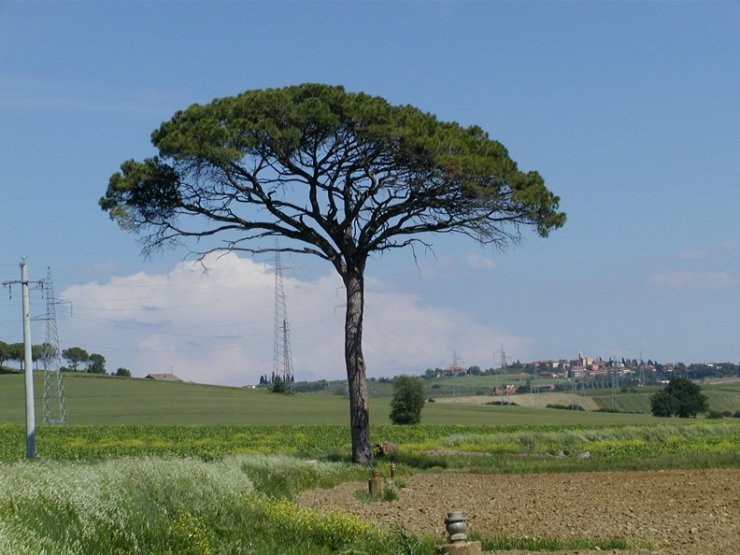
(629,371)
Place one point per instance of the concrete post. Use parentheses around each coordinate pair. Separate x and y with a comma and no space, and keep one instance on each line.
(456,526)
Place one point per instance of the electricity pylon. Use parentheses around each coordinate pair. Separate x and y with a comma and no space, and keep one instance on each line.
(282,365)
(55,408)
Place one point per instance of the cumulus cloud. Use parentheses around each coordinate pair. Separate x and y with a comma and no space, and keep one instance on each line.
(216,326)
(692,280)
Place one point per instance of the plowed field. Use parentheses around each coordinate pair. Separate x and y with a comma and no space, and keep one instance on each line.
(679,512)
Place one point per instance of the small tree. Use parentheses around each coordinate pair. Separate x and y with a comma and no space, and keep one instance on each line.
(37,354)
(75,356)
(408,400)
(17,352)
(5,353)
(279,386)
(96,364)
(123,372)
(681,397)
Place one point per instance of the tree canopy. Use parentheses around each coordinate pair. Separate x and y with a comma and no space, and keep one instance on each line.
(681,397)
(96,363)
(75,356)
(342,175)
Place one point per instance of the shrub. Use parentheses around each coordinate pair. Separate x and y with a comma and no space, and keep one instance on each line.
(408,400)
(572,406)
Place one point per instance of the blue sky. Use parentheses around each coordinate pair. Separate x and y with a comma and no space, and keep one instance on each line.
(629,110)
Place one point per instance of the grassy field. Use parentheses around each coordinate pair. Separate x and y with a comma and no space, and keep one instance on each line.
(105,400)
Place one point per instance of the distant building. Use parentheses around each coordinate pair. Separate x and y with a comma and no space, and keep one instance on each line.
(539,388)
(576,371)
(505,390)
(163,377)
(455,371)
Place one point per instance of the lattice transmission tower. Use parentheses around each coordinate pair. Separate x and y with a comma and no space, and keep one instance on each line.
(455,384)
(504,358)
(55,408)
(282,365)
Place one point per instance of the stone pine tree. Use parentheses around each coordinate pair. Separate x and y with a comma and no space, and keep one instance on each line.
(75,356)
(338,175)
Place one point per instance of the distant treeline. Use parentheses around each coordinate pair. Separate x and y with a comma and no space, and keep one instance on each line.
(77,358)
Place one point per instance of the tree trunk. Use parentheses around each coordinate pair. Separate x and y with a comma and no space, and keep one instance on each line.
(359,412)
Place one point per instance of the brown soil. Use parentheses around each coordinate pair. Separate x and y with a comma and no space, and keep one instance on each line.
(692,512)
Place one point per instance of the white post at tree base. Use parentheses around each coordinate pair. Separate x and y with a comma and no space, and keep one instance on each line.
(28,367)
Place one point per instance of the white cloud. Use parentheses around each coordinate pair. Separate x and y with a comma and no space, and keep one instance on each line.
(478,262)
(217,326)
(692,280)
(719,249)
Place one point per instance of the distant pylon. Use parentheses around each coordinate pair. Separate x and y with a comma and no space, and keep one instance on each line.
(455,385)
(503,359)
(55,408)
(282,365)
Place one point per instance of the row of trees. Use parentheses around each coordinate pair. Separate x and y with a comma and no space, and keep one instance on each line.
(77,358)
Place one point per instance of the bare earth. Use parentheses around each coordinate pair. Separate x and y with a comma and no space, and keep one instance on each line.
(692,512)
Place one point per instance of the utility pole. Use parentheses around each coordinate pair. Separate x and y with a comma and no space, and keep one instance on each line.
(27,361)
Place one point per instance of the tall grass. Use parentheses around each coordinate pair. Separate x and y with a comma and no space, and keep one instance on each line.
(182,506)
(672,443)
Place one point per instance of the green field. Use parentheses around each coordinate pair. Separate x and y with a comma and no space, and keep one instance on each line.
(102,400)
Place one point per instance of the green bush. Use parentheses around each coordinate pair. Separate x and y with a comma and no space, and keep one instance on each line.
(407,401)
